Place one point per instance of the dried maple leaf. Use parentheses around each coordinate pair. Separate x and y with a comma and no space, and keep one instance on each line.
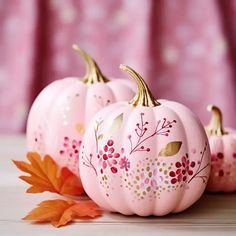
(61,212)
(45,175)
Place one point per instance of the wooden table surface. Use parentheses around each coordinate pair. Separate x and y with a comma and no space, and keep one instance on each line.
(213,214)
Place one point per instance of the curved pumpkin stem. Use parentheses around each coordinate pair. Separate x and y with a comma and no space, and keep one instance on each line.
(215,127)
(143,96)
(93,73)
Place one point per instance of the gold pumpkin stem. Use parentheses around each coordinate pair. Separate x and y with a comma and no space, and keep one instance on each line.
(143,96)
(215,126)
(93,73)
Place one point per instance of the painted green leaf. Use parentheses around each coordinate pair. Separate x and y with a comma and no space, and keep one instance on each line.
(116,124)
(170,149)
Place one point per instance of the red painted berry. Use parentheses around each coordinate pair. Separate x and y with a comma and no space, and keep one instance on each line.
(179,177)
(221,173)
(116,155)
(220,155)
(114,170)
(173,181)
(110,142)
(105,148)
(190,172)
(172,174)
(234,155)
(178,171)
(148,149)
(178,164)
(192,164)
(184,178)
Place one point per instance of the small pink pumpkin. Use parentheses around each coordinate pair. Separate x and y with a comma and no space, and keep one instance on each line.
(60,113)
(145,157)
(223,154)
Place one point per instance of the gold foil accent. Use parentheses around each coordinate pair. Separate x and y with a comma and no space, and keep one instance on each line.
(93,73)
(143,96)
(215,127)
(80,128)
(116,124)
(170,149)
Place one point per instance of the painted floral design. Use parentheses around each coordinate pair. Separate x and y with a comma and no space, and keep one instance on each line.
(222,169)
(108,157)
(162,128)
(183,169)
(70,148)
(150,176)
(124,163)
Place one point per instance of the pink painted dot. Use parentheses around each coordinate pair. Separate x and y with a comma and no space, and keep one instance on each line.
(110,142)
(116,155)
(113,169)
(105,148)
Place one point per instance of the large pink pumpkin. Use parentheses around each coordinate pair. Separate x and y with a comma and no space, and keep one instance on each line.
(223,154)
(60,113)
(145,157)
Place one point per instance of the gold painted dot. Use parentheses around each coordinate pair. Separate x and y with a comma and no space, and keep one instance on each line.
(137,187)
(160,169)
(165,172)
(137,177)
(166,182)
(150,174)
(149,189)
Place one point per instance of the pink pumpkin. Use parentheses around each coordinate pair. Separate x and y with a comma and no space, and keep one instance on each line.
(60,113)
(145,157)
(223,154)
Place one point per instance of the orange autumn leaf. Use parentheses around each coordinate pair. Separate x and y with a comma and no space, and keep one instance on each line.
(61,212)
(45,175)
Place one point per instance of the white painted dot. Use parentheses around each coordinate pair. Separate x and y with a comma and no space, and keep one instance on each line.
(65,123)
(170,55)
(67,108)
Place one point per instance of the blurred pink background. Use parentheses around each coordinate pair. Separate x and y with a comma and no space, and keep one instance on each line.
(186,50)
